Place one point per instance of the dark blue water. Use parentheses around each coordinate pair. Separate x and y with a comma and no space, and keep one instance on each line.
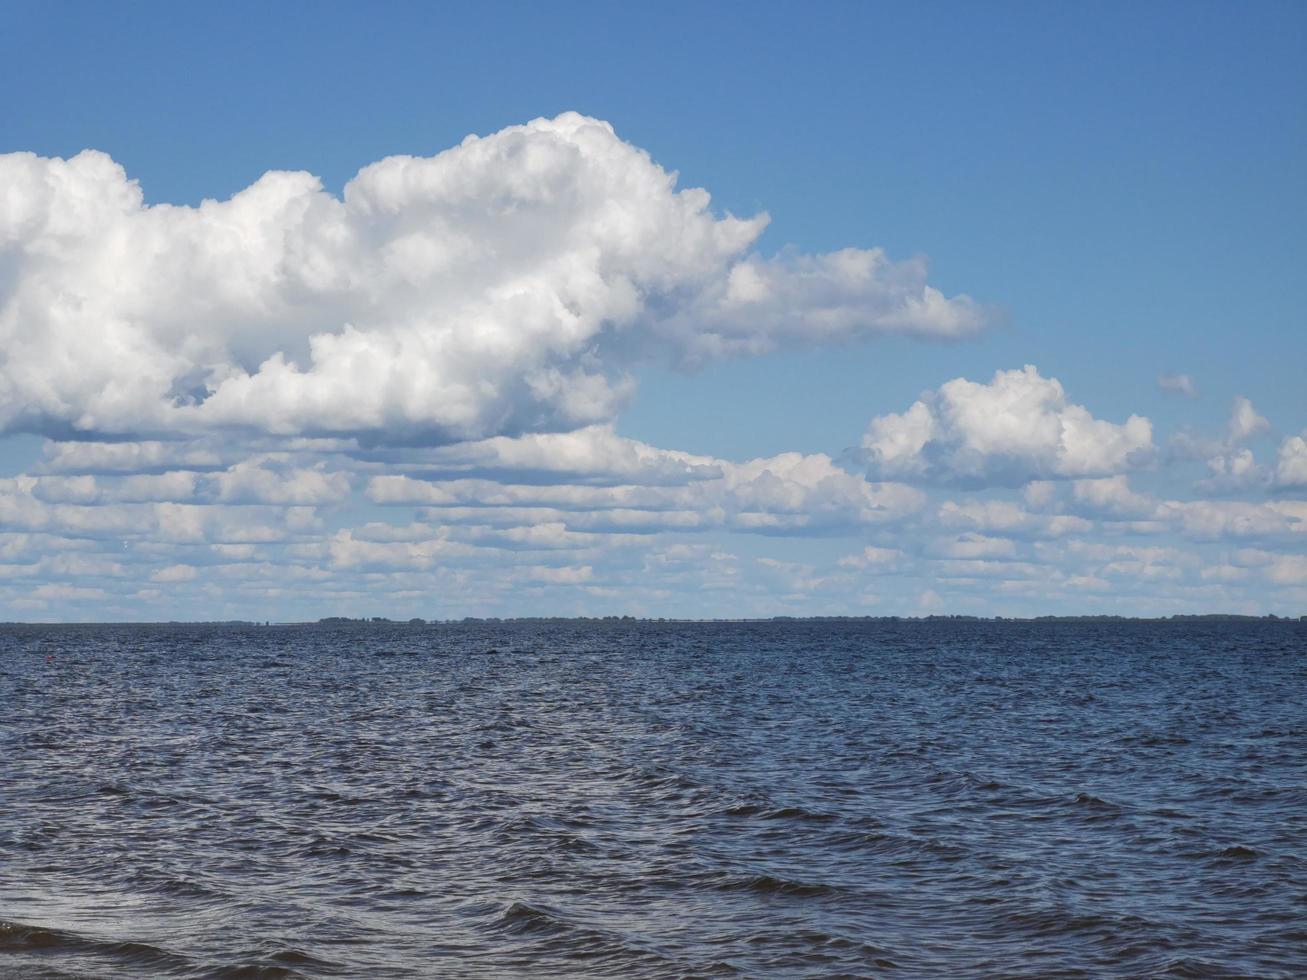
(648,800)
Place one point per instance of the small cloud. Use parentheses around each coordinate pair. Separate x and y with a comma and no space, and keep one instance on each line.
(1018,427)
(54,590)
(1112,496)
(1244,421)
(872,557)
(1178,384)
(1224,573)
(561,576)
(1091,583)
(1234,471)
(974,547)
(1291,464)
(174,573)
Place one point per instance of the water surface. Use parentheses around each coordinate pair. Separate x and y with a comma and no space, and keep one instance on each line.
(654,800)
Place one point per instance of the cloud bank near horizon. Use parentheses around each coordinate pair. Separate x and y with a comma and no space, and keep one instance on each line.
(507,285)
(1029,504)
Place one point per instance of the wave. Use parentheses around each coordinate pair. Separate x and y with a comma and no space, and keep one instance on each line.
(817,944)
(520,917)
(764,811)
(16,937)
(767,884)
(551,932)
(1088,801)
(276,962)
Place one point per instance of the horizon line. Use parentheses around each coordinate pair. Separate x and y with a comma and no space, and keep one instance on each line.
(619,619)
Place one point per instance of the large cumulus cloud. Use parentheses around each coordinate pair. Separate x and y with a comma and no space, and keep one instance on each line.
(505,285)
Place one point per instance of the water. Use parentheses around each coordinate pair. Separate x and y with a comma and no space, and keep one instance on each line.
(650,800)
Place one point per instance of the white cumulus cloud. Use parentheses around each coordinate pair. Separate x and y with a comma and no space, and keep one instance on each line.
(505,285)
(1018,427)
(1291,464)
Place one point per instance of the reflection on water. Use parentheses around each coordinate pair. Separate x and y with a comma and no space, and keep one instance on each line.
(650,800)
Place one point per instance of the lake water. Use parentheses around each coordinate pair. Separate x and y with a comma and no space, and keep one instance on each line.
(654,800)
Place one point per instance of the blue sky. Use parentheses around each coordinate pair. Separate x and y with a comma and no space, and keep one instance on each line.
(1118,189)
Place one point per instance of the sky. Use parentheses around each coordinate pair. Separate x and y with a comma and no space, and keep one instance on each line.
(687,310)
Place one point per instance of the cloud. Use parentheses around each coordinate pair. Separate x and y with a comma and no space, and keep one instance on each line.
(1111,496)
(560,575)
(174,573)
(1179,384)
(252,482)
(506,285)
(23,508)
(1218,519)
(1009,517)
(1277,568)
(53,590)
(1102,562)
(788,493)
(1244,421)
(1291,462)
(1224,573)
(258,479)
(1114,505)
(130,457)
(1018,427)
(591,455)
(1232,468)
(873,557)
(976,547)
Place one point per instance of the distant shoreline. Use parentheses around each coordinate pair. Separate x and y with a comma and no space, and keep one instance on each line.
(344,621)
